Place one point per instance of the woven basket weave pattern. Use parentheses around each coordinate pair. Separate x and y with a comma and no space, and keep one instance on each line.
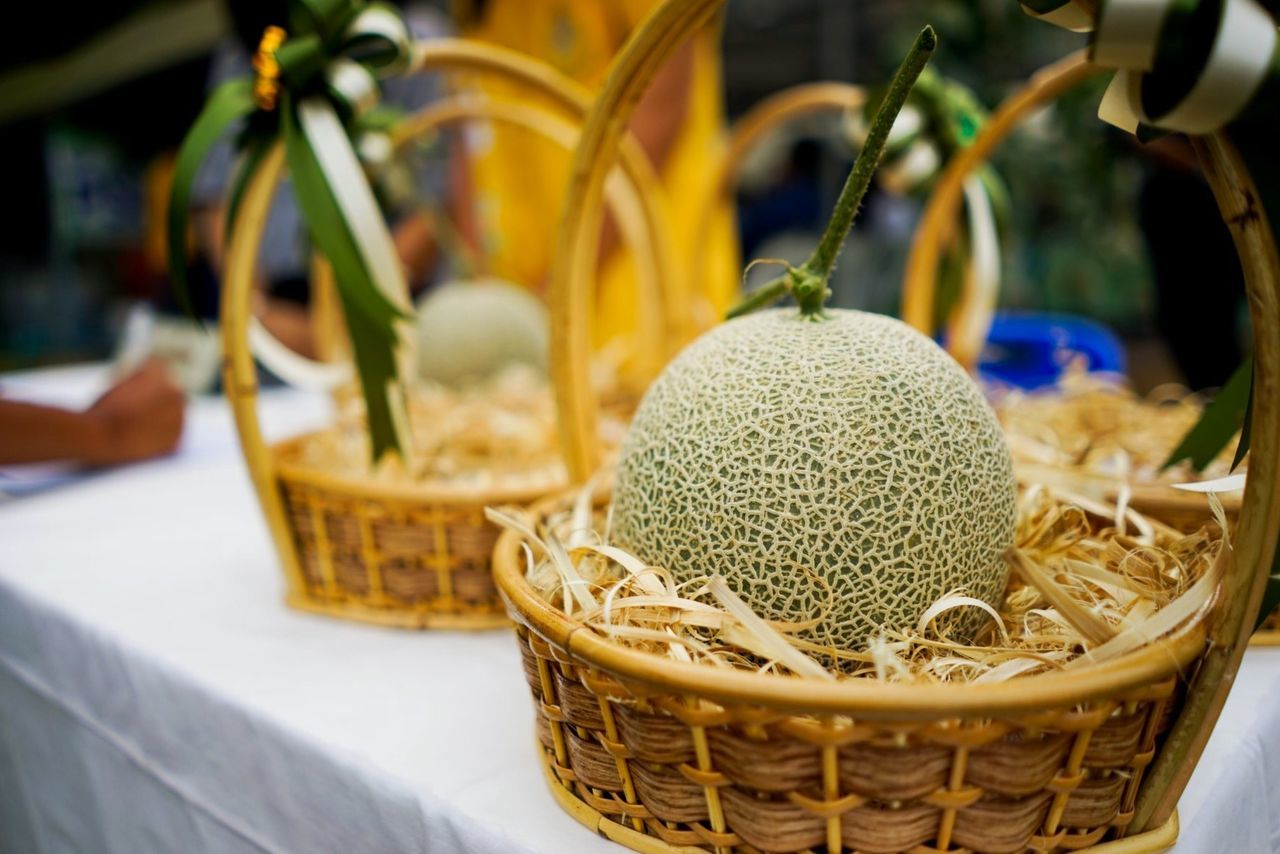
(743,778)
(392,555)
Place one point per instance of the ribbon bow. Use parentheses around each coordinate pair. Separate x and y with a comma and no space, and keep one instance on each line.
(1191,66)
(314,84)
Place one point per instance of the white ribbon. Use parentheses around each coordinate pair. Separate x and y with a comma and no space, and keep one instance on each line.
(379,21)
(1237,64)
(906,127)
(908,170)
(1230,483)
(352,194)
(376,149)
(346,179)
(1121,104)
(968,329)
(296,370)
(1129,33)
(354,84)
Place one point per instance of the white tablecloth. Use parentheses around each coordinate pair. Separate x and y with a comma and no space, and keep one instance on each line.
(156,695)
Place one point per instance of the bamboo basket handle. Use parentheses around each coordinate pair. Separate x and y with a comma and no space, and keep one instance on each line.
(576,101)
(239,376)
(1258,527)
(665,29)
(937,223)
(761,120)
(632,202)
(1259,523)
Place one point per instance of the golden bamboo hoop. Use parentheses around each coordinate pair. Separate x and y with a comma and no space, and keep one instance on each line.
(575,100)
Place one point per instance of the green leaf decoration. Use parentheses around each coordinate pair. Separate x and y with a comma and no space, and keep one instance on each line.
(230,103)
(323,35)
(382,117)
(952,268)
(998,192)
(371,317)
(1219,423)
(1246,429)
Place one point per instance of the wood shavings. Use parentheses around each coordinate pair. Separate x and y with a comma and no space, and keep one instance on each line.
(1095,426)
(1083,591)
(500,433)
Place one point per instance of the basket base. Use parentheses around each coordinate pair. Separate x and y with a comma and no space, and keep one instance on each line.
(1160,839)
(399,618)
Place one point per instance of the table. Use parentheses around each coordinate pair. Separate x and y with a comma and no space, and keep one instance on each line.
(156,694)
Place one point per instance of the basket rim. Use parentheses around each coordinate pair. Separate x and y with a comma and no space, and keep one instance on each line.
(863,698)
(429,491)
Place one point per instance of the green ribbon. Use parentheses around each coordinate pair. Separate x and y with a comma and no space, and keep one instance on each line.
(329,64)
(1221,420)
(229,104)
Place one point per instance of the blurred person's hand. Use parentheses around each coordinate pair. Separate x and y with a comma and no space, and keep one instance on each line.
(141,417)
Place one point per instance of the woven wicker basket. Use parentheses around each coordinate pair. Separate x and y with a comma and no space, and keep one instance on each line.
(660,755)
(417,555)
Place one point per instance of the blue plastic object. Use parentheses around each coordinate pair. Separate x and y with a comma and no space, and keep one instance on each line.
(1031,349)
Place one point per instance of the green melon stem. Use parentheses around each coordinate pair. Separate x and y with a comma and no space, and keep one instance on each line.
(808,283)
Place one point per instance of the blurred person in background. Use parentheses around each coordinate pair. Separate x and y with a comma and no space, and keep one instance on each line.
(139,418)
(519,179)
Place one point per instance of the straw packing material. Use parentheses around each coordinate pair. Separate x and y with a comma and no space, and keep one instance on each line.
(498,432)
(1096,425)
(1090,581)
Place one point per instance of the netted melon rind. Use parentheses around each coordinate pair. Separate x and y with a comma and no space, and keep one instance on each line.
(776,449)
(469,331)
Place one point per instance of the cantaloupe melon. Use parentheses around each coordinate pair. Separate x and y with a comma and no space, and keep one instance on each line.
(848,460)
(468,331)
(831,464)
